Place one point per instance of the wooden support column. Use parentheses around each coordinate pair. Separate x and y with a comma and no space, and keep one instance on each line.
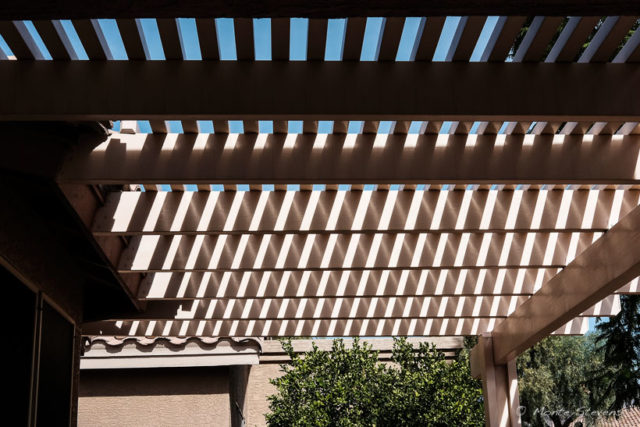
(499,385)
(238,380)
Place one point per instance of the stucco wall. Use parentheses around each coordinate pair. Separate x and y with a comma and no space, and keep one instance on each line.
(154,397)
(258,388)
(170,396)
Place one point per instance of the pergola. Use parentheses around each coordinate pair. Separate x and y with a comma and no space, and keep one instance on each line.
(446,181)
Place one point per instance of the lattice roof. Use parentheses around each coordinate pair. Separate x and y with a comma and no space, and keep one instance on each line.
(401,218)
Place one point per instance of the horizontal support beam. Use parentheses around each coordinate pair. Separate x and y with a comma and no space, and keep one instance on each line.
(323,212)
(85,201)
(264,90)
(315,328)
(287,284)
(608,264)
(76,9)
(352,251)
(379,283)
(356,159)
(342,308)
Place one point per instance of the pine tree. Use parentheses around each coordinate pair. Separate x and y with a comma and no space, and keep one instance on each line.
(618,338)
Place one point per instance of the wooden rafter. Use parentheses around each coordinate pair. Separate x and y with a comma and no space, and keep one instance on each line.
(340,91)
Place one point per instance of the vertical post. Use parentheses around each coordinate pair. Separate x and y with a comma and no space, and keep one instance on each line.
(75,379)
(499,385)
(238,379)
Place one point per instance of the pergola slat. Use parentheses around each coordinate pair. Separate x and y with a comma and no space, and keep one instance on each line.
(613,39)
(432,28)
(354,35)
(190,126)
(221,126)
(89,38)
(280,126)
(506,38)
(51,39)
(634,56)
(370,126)
(468,38)
(251,126)
(391,34)
(316,39)
(310,126)
(543,37)
(340,127)
(158,126)
(401,127)
(576,128)
(577,38)
(207,38)
(243,28)
(130,34)
(168,29)
(14,40)
(280,39)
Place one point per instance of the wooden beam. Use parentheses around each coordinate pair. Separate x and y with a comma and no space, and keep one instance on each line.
(316,327)
(336,251)
(339,308)
(380,283)
(346,308)
(609,263)
(40,9)
(318,91)
(86,201)
(404,159)
(499,385)
(279,212)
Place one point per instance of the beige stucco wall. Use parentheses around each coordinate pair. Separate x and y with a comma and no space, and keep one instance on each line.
(154,397)
(170,396)
(258,388)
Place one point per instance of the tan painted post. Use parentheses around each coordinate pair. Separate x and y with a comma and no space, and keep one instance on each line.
(499,385)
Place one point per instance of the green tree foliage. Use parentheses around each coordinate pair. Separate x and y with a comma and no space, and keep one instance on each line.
(321,388)
(349,387)
(598,374)
(618,341)
(428,391)
(555,384)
